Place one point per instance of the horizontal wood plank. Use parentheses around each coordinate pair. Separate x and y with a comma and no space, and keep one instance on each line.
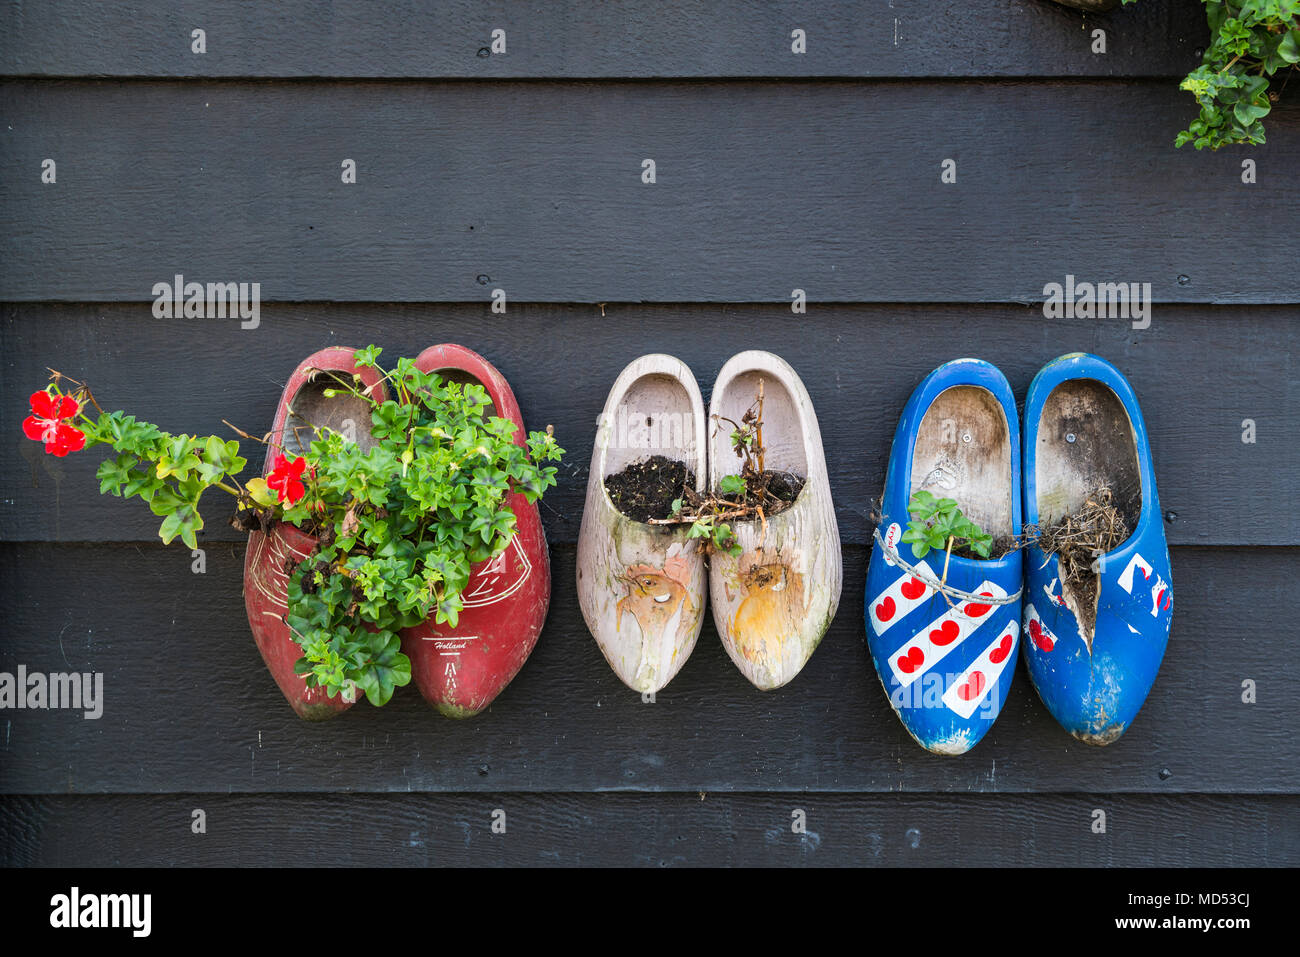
(535,188)
(189,706)
(650,830)
(452,39)
(1199,372)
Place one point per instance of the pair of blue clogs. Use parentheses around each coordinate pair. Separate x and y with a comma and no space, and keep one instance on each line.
(946,660)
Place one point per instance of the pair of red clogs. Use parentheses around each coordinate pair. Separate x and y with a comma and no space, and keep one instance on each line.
(461,669)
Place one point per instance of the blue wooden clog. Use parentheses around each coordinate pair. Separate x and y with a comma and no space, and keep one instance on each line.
(1084,430)
(946,660)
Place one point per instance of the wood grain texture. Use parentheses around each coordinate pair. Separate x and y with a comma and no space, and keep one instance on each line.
(610,39)
(535,188)
(1198,372)
(651,830)
(189,706)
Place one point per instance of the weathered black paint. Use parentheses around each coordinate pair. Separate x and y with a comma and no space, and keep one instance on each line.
(189,706)
(605,40)
(860,363)
(775,171)
(536,188)
(653,830)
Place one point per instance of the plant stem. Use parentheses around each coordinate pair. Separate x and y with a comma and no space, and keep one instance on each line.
(943,580)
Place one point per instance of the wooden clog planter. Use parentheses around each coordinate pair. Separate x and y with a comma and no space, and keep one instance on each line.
(272,556)
(1093,654)
(460,670)
(641,586)
(946,661)
(773,603)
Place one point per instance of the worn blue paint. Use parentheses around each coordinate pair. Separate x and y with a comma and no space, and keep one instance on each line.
(921,705)
(1095,694)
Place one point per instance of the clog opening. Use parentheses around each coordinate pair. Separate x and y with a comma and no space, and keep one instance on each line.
(963,452)
(783,436)
(311,410)
(1085,444)
(655,417)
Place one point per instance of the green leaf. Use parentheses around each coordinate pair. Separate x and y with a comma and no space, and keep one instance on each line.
(183,520)
(1289,48)
(367,357)
(732,485)
(1248,113)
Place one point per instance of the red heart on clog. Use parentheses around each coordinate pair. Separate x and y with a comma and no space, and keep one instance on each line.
(973,688)
(946,633)
(913,589)
(976,611)
(885,610)
(911,661)
(999,654)
(1042,639)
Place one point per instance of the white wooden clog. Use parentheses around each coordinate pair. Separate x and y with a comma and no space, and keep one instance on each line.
(641,586)
(774,602)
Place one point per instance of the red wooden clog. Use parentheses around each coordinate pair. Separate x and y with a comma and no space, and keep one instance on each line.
(461,670)
(272,555)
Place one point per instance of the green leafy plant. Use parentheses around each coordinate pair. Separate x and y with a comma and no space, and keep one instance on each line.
(398,525)
(938,524)
(1251,41)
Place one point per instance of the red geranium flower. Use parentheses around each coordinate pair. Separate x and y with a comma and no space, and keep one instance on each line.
(286,479)
(46,424)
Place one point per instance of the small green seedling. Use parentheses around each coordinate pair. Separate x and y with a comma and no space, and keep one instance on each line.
(719,535)
(733,485)
(937,523)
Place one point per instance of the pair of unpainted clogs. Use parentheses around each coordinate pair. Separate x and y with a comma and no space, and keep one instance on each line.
(944,640)
(460,669)
(642,586)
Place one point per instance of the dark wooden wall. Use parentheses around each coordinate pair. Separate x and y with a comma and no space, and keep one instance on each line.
(523,172)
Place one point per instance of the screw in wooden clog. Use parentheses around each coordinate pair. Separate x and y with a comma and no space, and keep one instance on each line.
(272,556)
(641,586)
(773,603)
(946,660)
(1093,643)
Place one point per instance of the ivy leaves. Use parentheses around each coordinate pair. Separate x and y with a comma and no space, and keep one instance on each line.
(399,524)
(409,518)
(1250,41)
(170,472)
